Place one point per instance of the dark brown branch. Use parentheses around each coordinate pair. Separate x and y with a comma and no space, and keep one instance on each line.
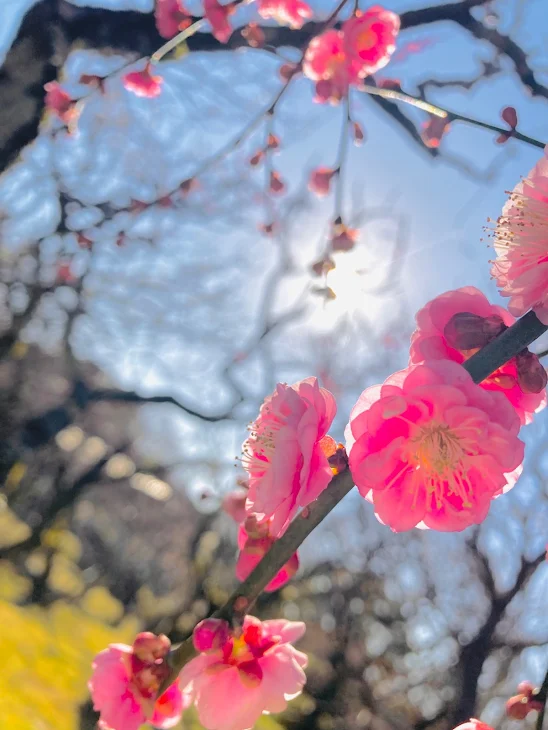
(475,653)
(122,396)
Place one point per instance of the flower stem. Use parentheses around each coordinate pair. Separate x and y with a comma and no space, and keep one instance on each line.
(507,345)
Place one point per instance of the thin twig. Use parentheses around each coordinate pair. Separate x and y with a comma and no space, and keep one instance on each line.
(542,696)
(395,96)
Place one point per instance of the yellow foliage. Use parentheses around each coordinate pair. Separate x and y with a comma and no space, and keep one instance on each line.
(12,529)
(14,476)
(64,541)
(100,603)
(13,587)
(65,577)
(50,652)
(19,350)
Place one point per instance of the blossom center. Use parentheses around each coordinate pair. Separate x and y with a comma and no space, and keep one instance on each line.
(366,40)
(438,457)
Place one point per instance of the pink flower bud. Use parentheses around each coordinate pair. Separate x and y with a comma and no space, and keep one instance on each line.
(323,266)
(217,15)
(171,17)
(467,331)
(211,634)
(143,83)
(58,102)
(343,237)
(433,130)
(256,158)
(532,376)
(277,185)
(273,142)
(510,116)
(149,648)
(254,35)
(320,181)
(359,136)
(287,71)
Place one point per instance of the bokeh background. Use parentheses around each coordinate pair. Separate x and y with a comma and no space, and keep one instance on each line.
(132,361)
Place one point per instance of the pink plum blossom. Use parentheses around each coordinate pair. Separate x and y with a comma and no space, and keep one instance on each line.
(325,62)
(125,682)
(143,83)
(283,456)
(171,17)
(237,678)
(217,15)
(431,448)
(436,338)
(521,245)
(337,59)
(293,13)
(254,541)
(370,38)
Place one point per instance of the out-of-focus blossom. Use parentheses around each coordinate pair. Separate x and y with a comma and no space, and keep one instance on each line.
(521,245)
(474,724)
(125,682)
(357,131)
(287,71)
(434,129)
(454,325)
(323,266)
(320,180)
(283,456)
(273,142)
(293,13)
(237,678)
(429,447)
(254,541)
(59,102)
(276,185)
(256,158)
(343,238)
(325,62)
(234,504)
(336,59)
(254,35)
(143,83)
(370,38)
(171,17)
(218,15)
(519,706)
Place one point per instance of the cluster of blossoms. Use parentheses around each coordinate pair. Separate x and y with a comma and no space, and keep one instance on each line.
(338,59)
(429,447)
(234,677)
